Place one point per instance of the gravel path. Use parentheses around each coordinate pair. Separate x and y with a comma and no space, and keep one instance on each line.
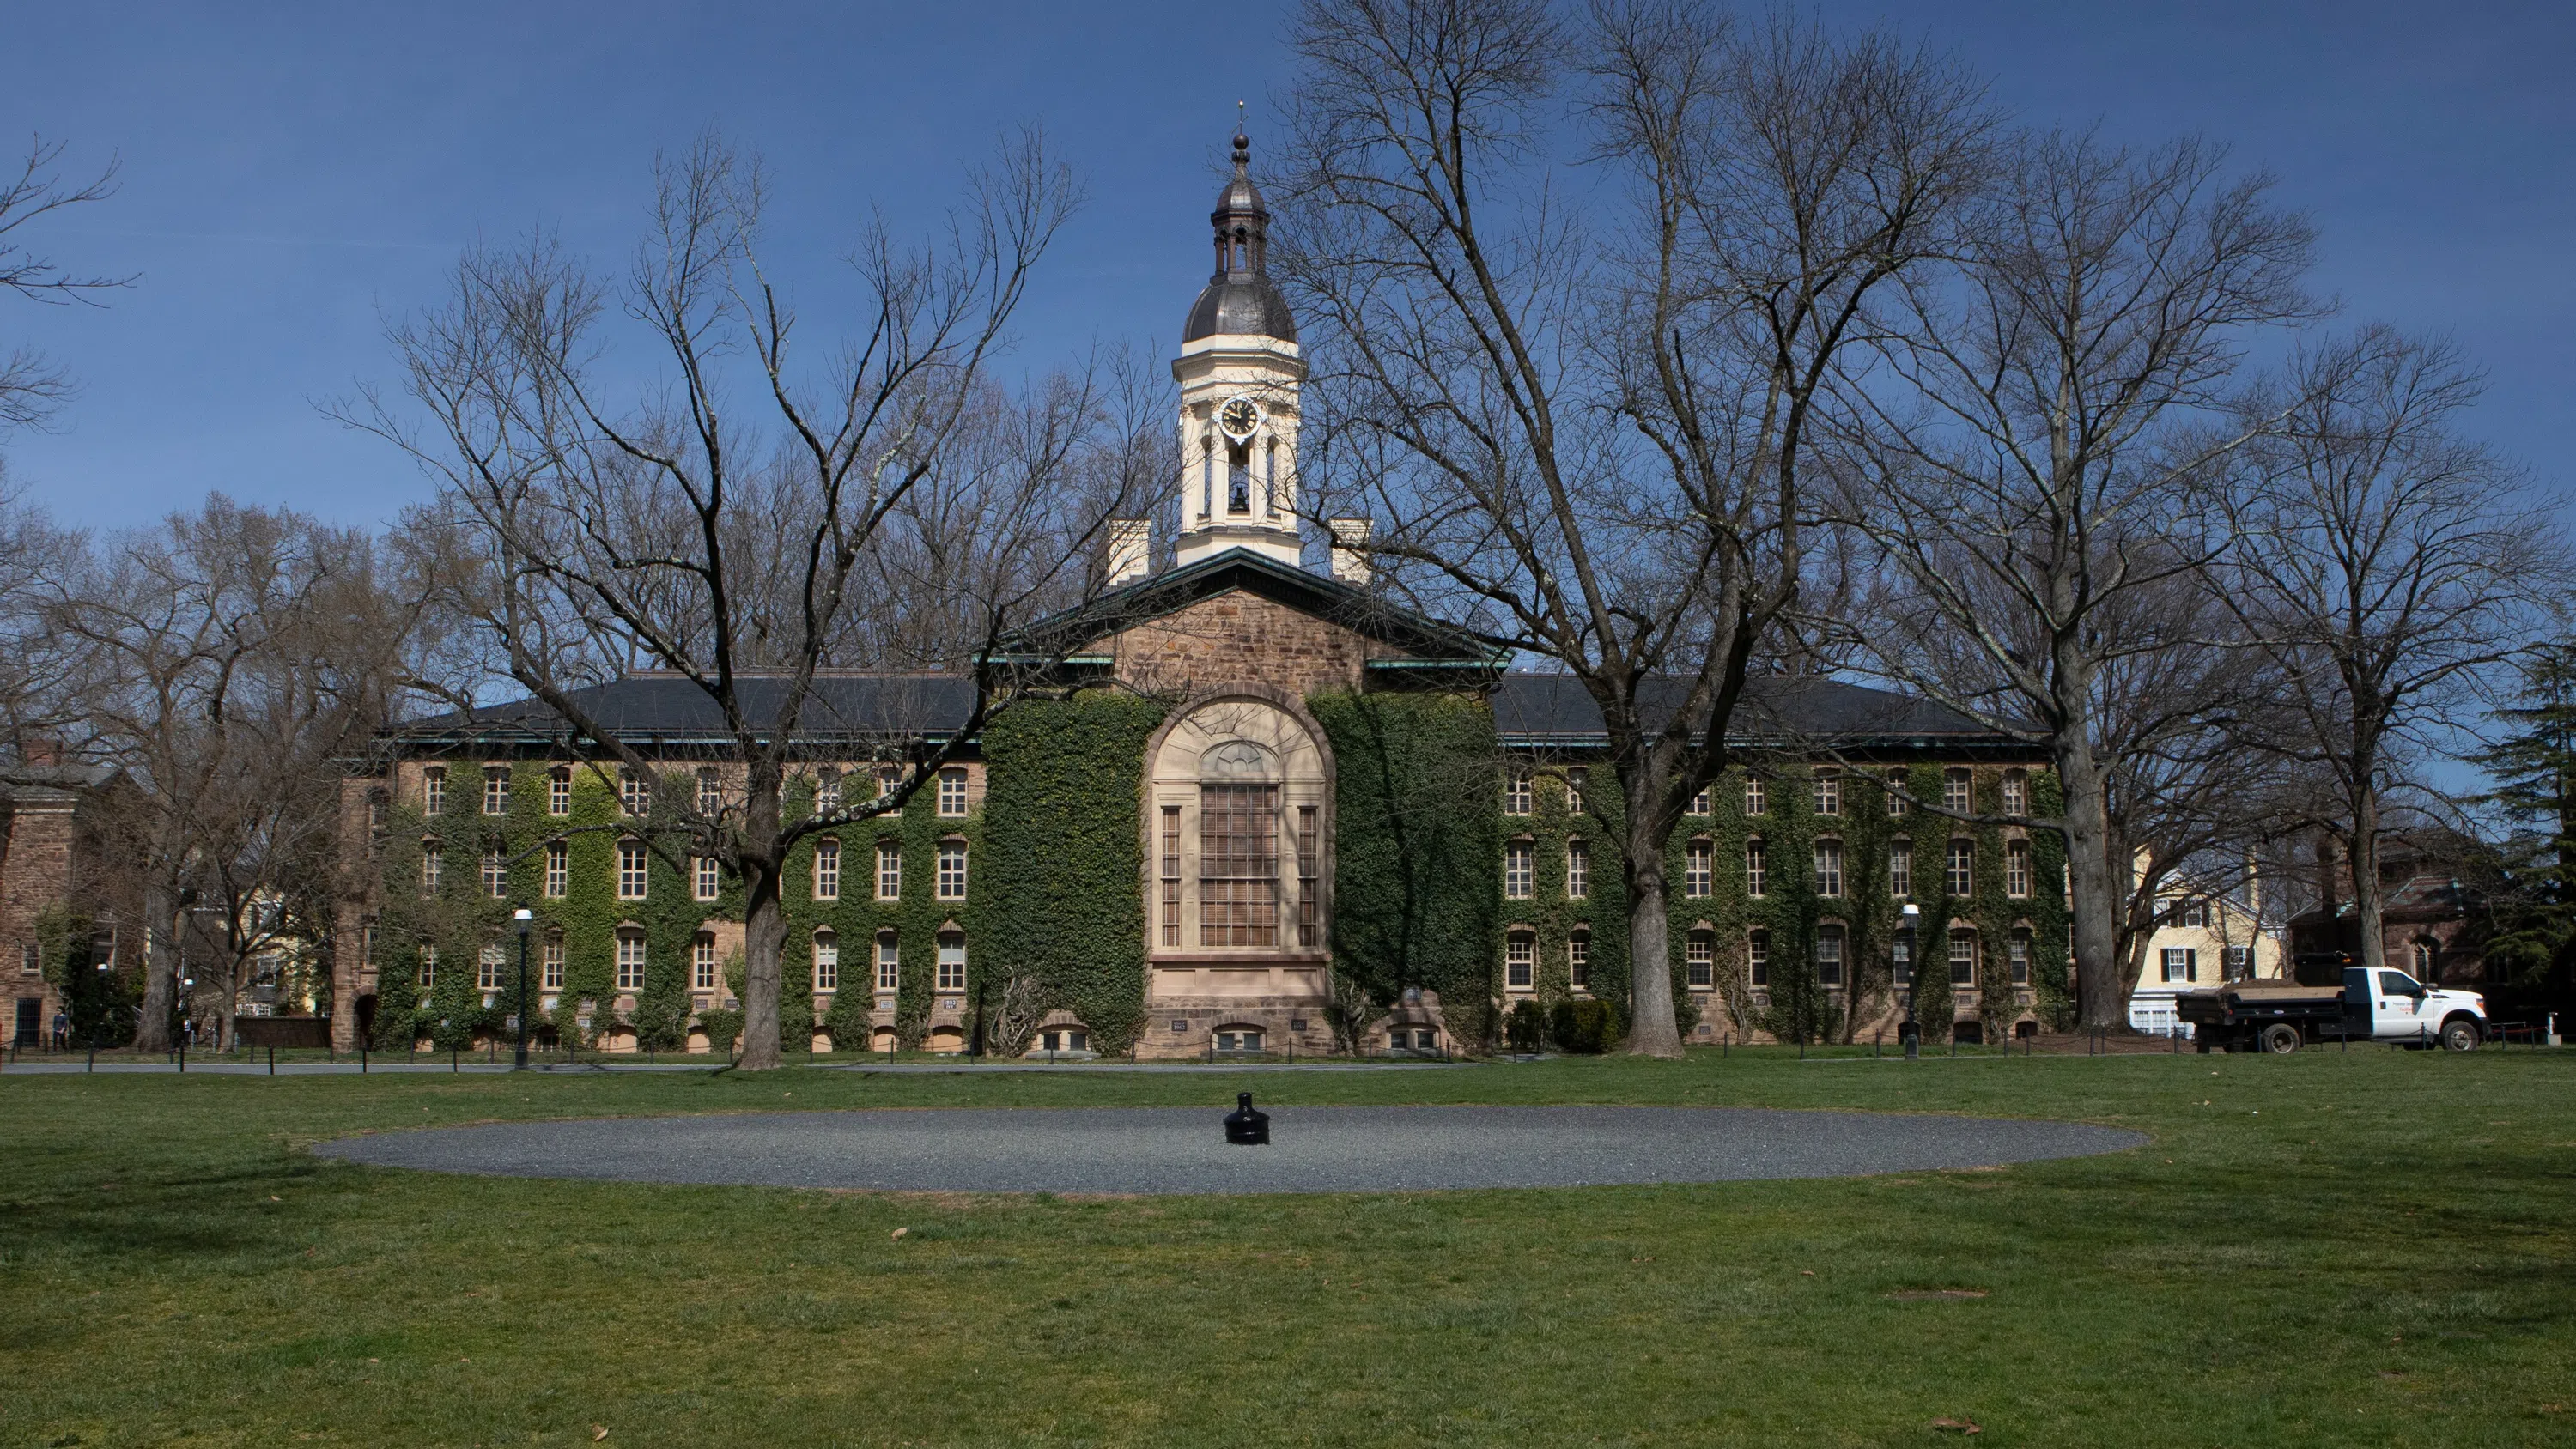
(1182,1149)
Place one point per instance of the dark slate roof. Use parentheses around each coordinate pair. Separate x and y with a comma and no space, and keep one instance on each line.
(56,784)
(1367,614)
(669,708)
(1240,302)
(1538,709)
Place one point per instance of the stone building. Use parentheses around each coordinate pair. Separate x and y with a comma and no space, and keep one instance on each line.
(1261,809)
(57,911)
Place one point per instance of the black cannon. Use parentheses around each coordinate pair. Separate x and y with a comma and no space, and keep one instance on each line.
(1245,1127)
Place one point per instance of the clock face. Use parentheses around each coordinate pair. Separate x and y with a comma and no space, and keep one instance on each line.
(1239,418)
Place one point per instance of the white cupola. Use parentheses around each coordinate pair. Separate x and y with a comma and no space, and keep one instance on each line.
(1238,370)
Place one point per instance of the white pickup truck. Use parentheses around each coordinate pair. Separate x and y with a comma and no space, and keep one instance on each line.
(2371,1005)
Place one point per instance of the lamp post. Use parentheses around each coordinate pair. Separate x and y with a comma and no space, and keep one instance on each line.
(527,920)
(1912,1031)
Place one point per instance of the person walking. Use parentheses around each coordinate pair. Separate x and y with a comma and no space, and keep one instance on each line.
(62,1030)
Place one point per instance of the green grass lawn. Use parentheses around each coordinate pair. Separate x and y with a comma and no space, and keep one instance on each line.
(2373,1248)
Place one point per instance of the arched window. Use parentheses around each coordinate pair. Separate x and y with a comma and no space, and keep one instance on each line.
(889,962)
(1699,869)
(1578,959)
(1578,869)
(1699,959)
(1963,958)
(2017,868)
(1757,957)
(1756,868)
(1829,955)
(952,961)
(1829,867)
(1518,869)
(827,869)
(2427,958)
(2016,792)
(702,962)
(630,958)
(1520,961)
(559,790)
(827,961)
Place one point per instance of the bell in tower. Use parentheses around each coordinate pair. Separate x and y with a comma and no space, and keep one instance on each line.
(1239,368)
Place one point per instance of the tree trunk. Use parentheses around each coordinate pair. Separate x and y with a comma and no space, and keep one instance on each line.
(1652,1029)
(764,924)
(2101,995)
(2362,854)
(160,974)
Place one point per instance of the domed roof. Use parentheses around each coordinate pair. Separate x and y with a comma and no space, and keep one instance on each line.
(1239,299)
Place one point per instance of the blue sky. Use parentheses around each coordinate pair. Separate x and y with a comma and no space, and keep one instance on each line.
(293,174)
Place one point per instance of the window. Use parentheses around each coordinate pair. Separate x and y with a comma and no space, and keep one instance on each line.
(1171,859)
(1829,867)
(2017,868)
(375,811)
(2181,964)
(1756,873)
(1699,869)
(1238,865)
(433,791)
(1963,868)
(2425,954)
(827,870)
(550,960)
(630,960)
(1954,790)
(1829,793)
(559,791)
(1699,960)
(428,967)
(366,947)
(1963,958)
(1829,955)
(1517,870)
(827,961)
(1895,793)
(31,959)
(710,792)
(1578,960)
(702,962)
(889,780)
(1901,958)
(633,792)
(1238,1041)
(1310,889)
(952,962)
(2017,956)
(1900,868)
(952,791)
(496,874)
(433,860)
(2240,962)
(889,962)
(630,870)
(1076,1040)
(950,882)
(1520,960)
(2190,911)
(487,968)
(2016,792)
(889,870)
(1578,869)
(709,878)
(558,869)
(496,789)
(1516,791)
(1576,779)
(1757,957)
(827,791)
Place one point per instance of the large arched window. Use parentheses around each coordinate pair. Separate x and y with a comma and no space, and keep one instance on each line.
(1238,831)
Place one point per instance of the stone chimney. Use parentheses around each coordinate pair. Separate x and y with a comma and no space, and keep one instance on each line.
(1131,549)
(1350,550)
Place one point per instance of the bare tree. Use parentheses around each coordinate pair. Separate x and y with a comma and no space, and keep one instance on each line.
(31,388)
(1589,425)
(2390,566)
(2038,428)
(752,528)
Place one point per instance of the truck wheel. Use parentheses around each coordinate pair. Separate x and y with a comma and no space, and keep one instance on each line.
(2460,1034)
(2280,1038)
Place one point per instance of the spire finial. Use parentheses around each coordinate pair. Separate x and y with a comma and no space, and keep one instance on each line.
(1242,142)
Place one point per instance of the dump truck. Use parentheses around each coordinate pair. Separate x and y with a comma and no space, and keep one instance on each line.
(2331,999)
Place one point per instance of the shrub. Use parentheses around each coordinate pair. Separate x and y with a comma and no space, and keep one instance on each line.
(1584,1028)
(722,1029)
(1526,1028)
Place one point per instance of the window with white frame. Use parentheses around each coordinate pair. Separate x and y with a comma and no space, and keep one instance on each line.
(1238,865)
(496,874)
(550,961)
(1757,796)
(496,789)
(827,869)
(889,962)
(1829,955)
(1516,790)
(631,870)
(2017,957)
(1577,779)
(710,791)
(1954,790)
(1963,868)
(487,968)
(1517,870)
(630,959)
(1699,960)
(433,864)
(1699,869)
(1896,803)
(1900,868)
(827,791)
(558,869)
(2181,963)
(889,782)
(433,790)
(1578,869)
(709,878)
(1310,888)
(1171,875)
(889,870)
(634,792)
(428,967)
(2240,962)
(2017,868)
(1520,961)
(1829,792)
(1757,868)
(1829,867)
(1901,958)
(1578,960)
(2016,792)
(827,961)
(952,961)
(951,880)
(1963,958)
(559,791)
(952,791)
(1757,957)
(702,962)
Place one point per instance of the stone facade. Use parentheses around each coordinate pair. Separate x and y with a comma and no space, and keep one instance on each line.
(1237,636)
(53,861)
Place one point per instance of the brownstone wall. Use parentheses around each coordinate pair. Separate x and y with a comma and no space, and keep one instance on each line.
(35,875)
(1237,636)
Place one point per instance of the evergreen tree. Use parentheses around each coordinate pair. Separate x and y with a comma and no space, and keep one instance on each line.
(2535,771)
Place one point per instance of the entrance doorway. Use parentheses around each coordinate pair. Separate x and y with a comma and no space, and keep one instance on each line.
(31,1022)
